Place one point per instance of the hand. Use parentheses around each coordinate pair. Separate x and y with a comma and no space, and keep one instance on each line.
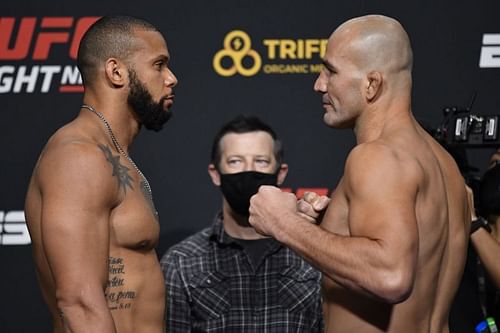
(269,209)
(312,206)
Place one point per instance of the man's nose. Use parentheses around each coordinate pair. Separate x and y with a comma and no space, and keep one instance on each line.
(249,167)
(171,80)
(320,83)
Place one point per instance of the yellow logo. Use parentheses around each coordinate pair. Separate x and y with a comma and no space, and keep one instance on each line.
(237,46)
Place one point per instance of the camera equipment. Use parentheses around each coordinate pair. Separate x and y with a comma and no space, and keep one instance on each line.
(462,128)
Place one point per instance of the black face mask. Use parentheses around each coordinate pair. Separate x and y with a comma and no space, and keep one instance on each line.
(489,192)
(239,187)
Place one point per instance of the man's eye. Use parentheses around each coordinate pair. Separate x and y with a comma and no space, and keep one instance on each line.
(328,70)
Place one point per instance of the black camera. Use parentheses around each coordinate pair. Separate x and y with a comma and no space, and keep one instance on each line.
(462,128)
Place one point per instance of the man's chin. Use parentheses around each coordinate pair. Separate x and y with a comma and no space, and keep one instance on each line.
(157,125)
(332,120)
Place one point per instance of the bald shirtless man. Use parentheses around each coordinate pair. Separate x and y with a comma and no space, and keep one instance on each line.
(392,242)
(89,208)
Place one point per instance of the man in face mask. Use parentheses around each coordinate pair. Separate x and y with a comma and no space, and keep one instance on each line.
(228,277)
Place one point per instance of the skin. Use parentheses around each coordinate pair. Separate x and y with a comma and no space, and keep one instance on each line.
(92,226)
(392,242)
(251,151)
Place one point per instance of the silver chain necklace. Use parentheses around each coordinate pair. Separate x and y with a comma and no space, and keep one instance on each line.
(119,148)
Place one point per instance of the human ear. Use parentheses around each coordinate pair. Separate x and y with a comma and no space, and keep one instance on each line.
(282,173)
(374,86)
(214,174)
(115,72)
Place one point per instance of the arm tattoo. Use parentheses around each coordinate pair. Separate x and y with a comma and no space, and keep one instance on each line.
(119,170)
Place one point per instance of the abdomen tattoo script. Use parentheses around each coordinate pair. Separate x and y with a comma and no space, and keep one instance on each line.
(119,298)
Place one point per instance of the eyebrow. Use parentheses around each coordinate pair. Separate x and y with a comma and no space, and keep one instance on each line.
(328,65)
(254,156)
(162,57)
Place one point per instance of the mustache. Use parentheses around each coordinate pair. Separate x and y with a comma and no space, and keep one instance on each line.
(169,96)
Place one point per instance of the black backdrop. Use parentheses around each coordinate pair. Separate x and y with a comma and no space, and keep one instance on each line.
(447,38)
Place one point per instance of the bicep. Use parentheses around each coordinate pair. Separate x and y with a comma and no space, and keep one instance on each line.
(382,199)
(76,205)
(75,242)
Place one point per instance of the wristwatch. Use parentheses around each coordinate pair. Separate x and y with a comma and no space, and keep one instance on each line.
(480,222)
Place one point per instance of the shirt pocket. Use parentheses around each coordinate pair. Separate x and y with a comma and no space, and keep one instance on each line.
(299,289)
(209,295)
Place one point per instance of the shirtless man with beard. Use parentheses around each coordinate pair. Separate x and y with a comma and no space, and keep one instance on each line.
(89,208)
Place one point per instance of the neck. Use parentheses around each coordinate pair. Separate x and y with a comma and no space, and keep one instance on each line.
(381,118)
(122,123)
(120,148)
(237,226)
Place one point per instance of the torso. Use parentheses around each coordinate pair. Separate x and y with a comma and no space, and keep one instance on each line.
(135,288)
(251,296)
(135,291)
(441,214)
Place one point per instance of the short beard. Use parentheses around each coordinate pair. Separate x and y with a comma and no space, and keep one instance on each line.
(151,114)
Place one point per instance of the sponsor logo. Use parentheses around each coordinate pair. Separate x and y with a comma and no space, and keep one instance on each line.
(28,46)
(237,46)
(13,229)
(490,51)
(270,56)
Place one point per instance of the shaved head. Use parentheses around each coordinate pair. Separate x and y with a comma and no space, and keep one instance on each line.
(109,37)
(375,42)
(367,67)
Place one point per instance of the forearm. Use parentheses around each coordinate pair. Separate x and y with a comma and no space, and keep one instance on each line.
(358,263)
(79,315)
(488,250)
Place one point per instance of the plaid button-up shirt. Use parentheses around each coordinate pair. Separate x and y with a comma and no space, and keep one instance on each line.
(211,286)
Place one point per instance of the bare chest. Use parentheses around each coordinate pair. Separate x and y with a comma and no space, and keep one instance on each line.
(134,223)
(336,216)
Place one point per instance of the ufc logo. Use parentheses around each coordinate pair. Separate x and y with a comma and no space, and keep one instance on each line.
(44,33)
(490,52)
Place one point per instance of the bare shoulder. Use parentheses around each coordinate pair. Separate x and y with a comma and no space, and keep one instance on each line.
(380,162)
(76,164)
(450,171)
(377,151)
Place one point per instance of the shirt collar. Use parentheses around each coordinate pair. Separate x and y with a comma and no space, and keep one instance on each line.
(218,233)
